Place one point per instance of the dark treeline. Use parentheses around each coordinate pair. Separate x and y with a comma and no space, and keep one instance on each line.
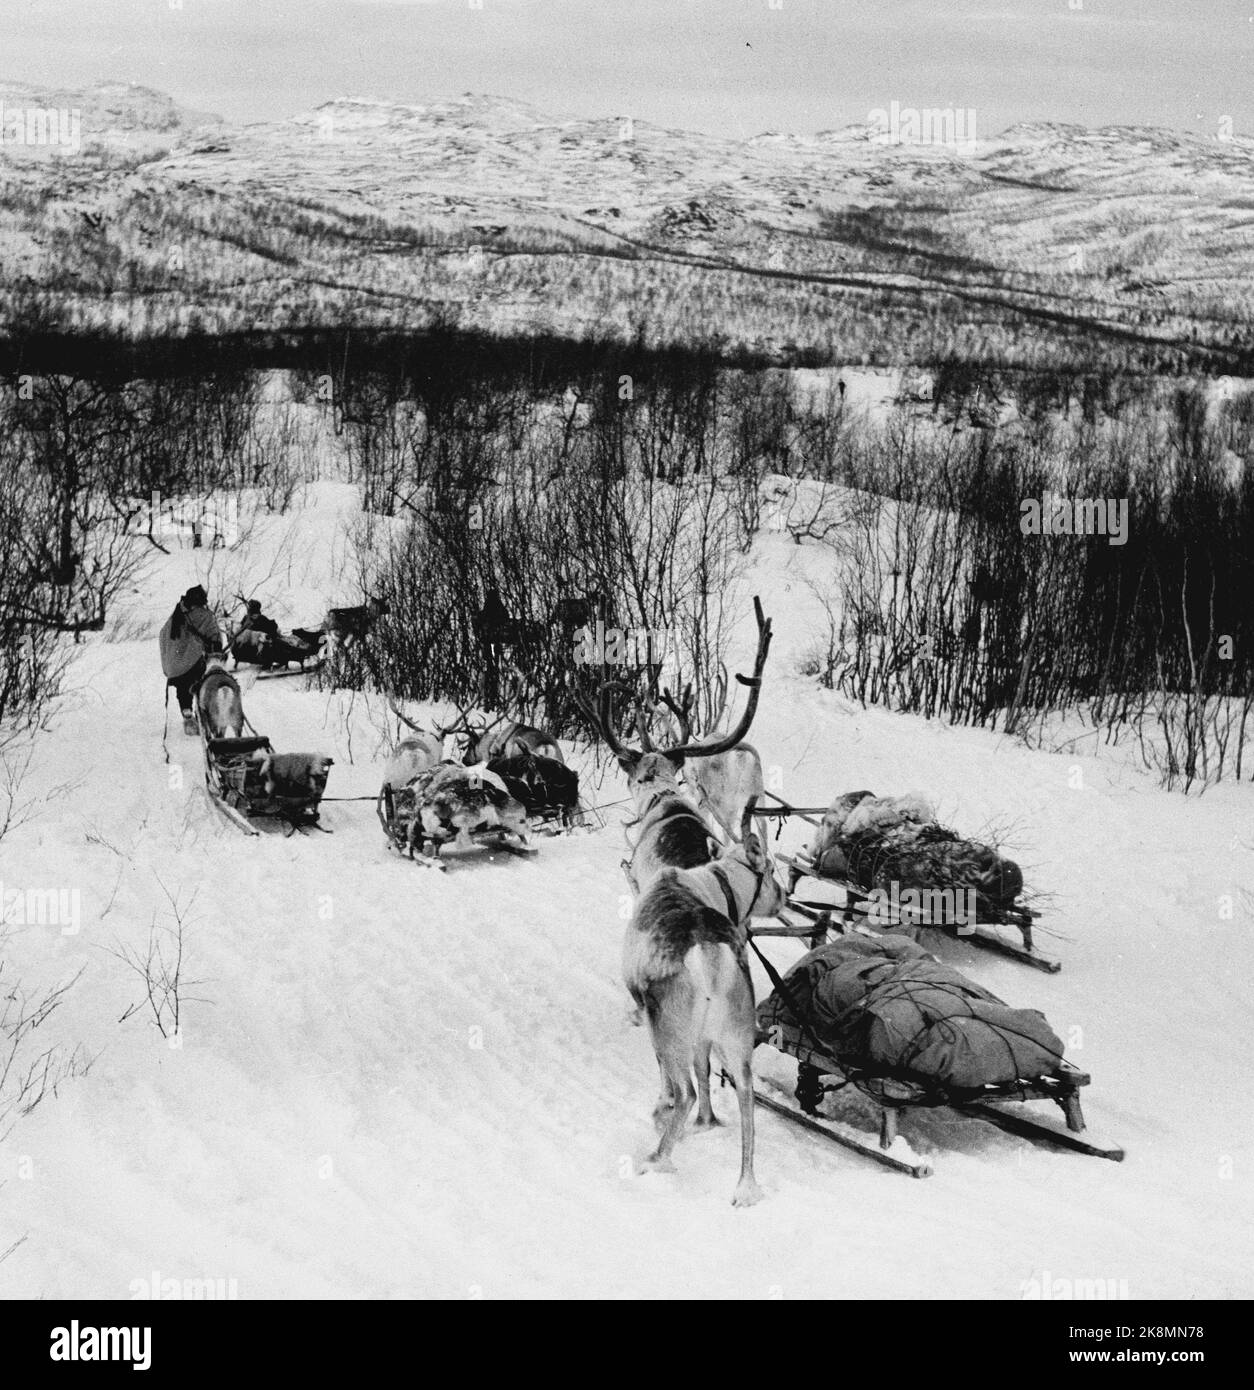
(517,492)
(518,522)
(540,360)
(953,604)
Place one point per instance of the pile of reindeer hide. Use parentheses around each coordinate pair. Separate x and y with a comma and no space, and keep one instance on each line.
(877,841)
(884,1004)
(452,799)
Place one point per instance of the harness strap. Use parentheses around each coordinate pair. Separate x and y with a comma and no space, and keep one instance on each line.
(733,907)
(780,986)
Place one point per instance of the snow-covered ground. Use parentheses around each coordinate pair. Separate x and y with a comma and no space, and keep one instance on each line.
(395,1083)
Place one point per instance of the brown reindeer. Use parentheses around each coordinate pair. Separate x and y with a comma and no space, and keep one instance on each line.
(345,625)
(684,954)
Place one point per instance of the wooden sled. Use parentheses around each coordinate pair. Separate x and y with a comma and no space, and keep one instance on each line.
(557,820)
(858,904)
(235,786)
(819,1072)
(396,811)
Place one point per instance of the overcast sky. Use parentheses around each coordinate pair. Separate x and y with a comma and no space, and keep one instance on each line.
(726,66)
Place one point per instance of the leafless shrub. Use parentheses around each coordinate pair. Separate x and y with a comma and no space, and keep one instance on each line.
(161,968)
(30,1071)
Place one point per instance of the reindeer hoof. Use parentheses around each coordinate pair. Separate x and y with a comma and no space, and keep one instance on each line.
(707,1123)
(747,1193)
(655,1164)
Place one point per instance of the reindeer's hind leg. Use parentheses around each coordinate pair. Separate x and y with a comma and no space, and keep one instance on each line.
(670,1024)
(733,1029)
(747,1190)
(684,1095)
(706,1118)
(665,1101)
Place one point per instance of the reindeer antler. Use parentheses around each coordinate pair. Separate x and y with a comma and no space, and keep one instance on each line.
(405,719)
(600,717)
(681,709)
(461,723)
(754,682)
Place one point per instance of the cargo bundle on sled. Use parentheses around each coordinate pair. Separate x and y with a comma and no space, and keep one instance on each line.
(243,781)
(451,806)
(880,1014)
(547,788)
(898,868)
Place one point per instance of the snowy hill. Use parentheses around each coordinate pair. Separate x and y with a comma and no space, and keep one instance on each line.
(390,1082)
(1047,243)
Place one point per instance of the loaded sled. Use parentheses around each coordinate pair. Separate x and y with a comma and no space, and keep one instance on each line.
(274,654)
(919,1035)
(820,1072)
(236,783)
(860,905)
(855,875)
(452,807)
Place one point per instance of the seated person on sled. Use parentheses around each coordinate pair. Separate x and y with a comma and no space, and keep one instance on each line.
(260,643)
(189,637)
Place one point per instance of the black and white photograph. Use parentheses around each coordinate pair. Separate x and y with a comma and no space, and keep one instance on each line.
(627,660)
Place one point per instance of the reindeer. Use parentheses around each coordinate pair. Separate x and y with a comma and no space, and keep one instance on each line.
(684,953)
(684,964)
(508,739)
(436,795)
(670,832)
(503,738)
(413,756)
(342,625)
(218,703)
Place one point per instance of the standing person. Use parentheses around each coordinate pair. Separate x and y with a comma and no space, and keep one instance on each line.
(495,631)
(189,637)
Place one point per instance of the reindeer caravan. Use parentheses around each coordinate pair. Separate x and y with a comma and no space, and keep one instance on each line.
(511,782)
(244,777)
(862,1008)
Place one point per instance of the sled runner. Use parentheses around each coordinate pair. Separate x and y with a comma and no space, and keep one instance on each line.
(236,784)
